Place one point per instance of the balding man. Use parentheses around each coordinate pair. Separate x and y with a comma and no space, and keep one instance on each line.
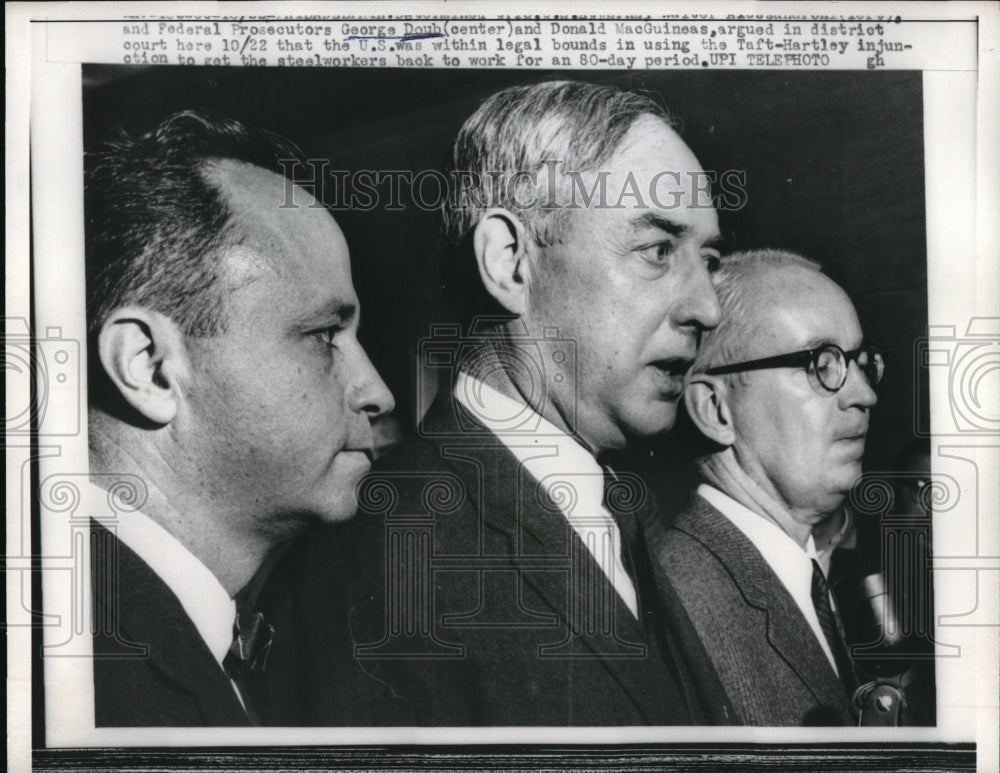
(781,391)
(228,384)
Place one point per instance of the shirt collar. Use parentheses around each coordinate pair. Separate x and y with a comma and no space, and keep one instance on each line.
(198,590)
(789,560)
(566,470)
(792,563)
(525,432)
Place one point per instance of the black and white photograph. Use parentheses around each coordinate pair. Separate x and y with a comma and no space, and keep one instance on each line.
(475,388)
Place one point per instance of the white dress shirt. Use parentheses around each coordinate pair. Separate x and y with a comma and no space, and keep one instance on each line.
(200,593)
(567,472)
(785,556)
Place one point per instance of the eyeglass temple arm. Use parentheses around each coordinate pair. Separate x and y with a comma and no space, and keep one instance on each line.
(796,358)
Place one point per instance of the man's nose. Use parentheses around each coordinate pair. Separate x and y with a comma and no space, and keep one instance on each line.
(698,307)
(368,393)
(856,392)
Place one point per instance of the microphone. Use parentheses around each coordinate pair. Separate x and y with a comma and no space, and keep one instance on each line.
(872,621)
(883,630)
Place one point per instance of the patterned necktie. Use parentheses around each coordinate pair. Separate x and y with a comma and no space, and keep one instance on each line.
(831,629)
(252,638)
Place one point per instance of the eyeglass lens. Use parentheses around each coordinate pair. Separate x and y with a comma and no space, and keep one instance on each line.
(831,366)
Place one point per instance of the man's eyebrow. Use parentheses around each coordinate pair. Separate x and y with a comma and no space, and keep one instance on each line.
(717,242)
(672,227)
(343,312)
(816,343)
(656,220)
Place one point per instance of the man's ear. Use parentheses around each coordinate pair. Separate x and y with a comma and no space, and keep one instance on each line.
(501,241)
(707,402)
(144,356)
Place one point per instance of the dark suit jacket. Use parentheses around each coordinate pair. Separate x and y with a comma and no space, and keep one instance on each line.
(151,666)
(472,601)
(320,596)
(771,665)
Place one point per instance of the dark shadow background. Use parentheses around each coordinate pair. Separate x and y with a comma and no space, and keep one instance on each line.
(833,163)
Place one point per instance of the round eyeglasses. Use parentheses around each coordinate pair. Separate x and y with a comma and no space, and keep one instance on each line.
(829,363)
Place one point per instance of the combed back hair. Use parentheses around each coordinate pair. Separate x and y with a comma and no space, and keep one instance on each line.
(738,282)
(520,129)
(155,221)
(570,126)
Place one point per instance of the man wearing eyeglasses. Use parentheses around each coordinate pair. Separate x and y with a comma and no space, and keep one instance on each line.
(781,392)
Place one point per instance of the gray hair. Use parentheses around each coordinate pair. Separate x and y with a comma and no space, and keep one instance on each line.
(521,129)
(737,283)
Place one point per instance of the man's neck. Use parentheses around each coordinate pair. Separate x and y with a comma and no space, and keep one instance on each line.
(175,500)
(829,529)
(724,472)
(498,375)
(494,368)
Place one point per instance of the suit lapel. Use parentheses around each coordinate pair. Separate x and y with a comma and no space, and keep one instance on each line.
(148,612)
(788,632)
(581,588)
(537,528)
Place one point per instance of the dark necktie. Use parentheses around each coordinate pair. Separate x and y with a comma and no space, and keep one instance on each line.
(626,498)
(635,510)
(831,629)
(252,637)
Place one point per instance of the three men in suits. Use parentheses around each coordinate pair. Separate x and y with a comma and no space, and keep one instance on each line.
(226,376)
(509,574)
(781,392)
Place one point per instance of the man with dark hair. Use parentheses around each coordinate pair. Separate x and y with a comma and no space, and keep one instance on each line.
(512,585)
(226,377)
(782,392)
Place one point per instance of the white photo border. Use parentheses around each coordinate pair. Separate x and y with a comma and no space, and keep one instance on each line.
(44,93)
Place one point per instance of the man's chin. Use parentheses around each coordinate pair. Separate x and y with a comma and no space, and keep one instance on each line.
(847,478)
(346,474)
(656,418)
(342,509)
(341,499)
(852,470)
